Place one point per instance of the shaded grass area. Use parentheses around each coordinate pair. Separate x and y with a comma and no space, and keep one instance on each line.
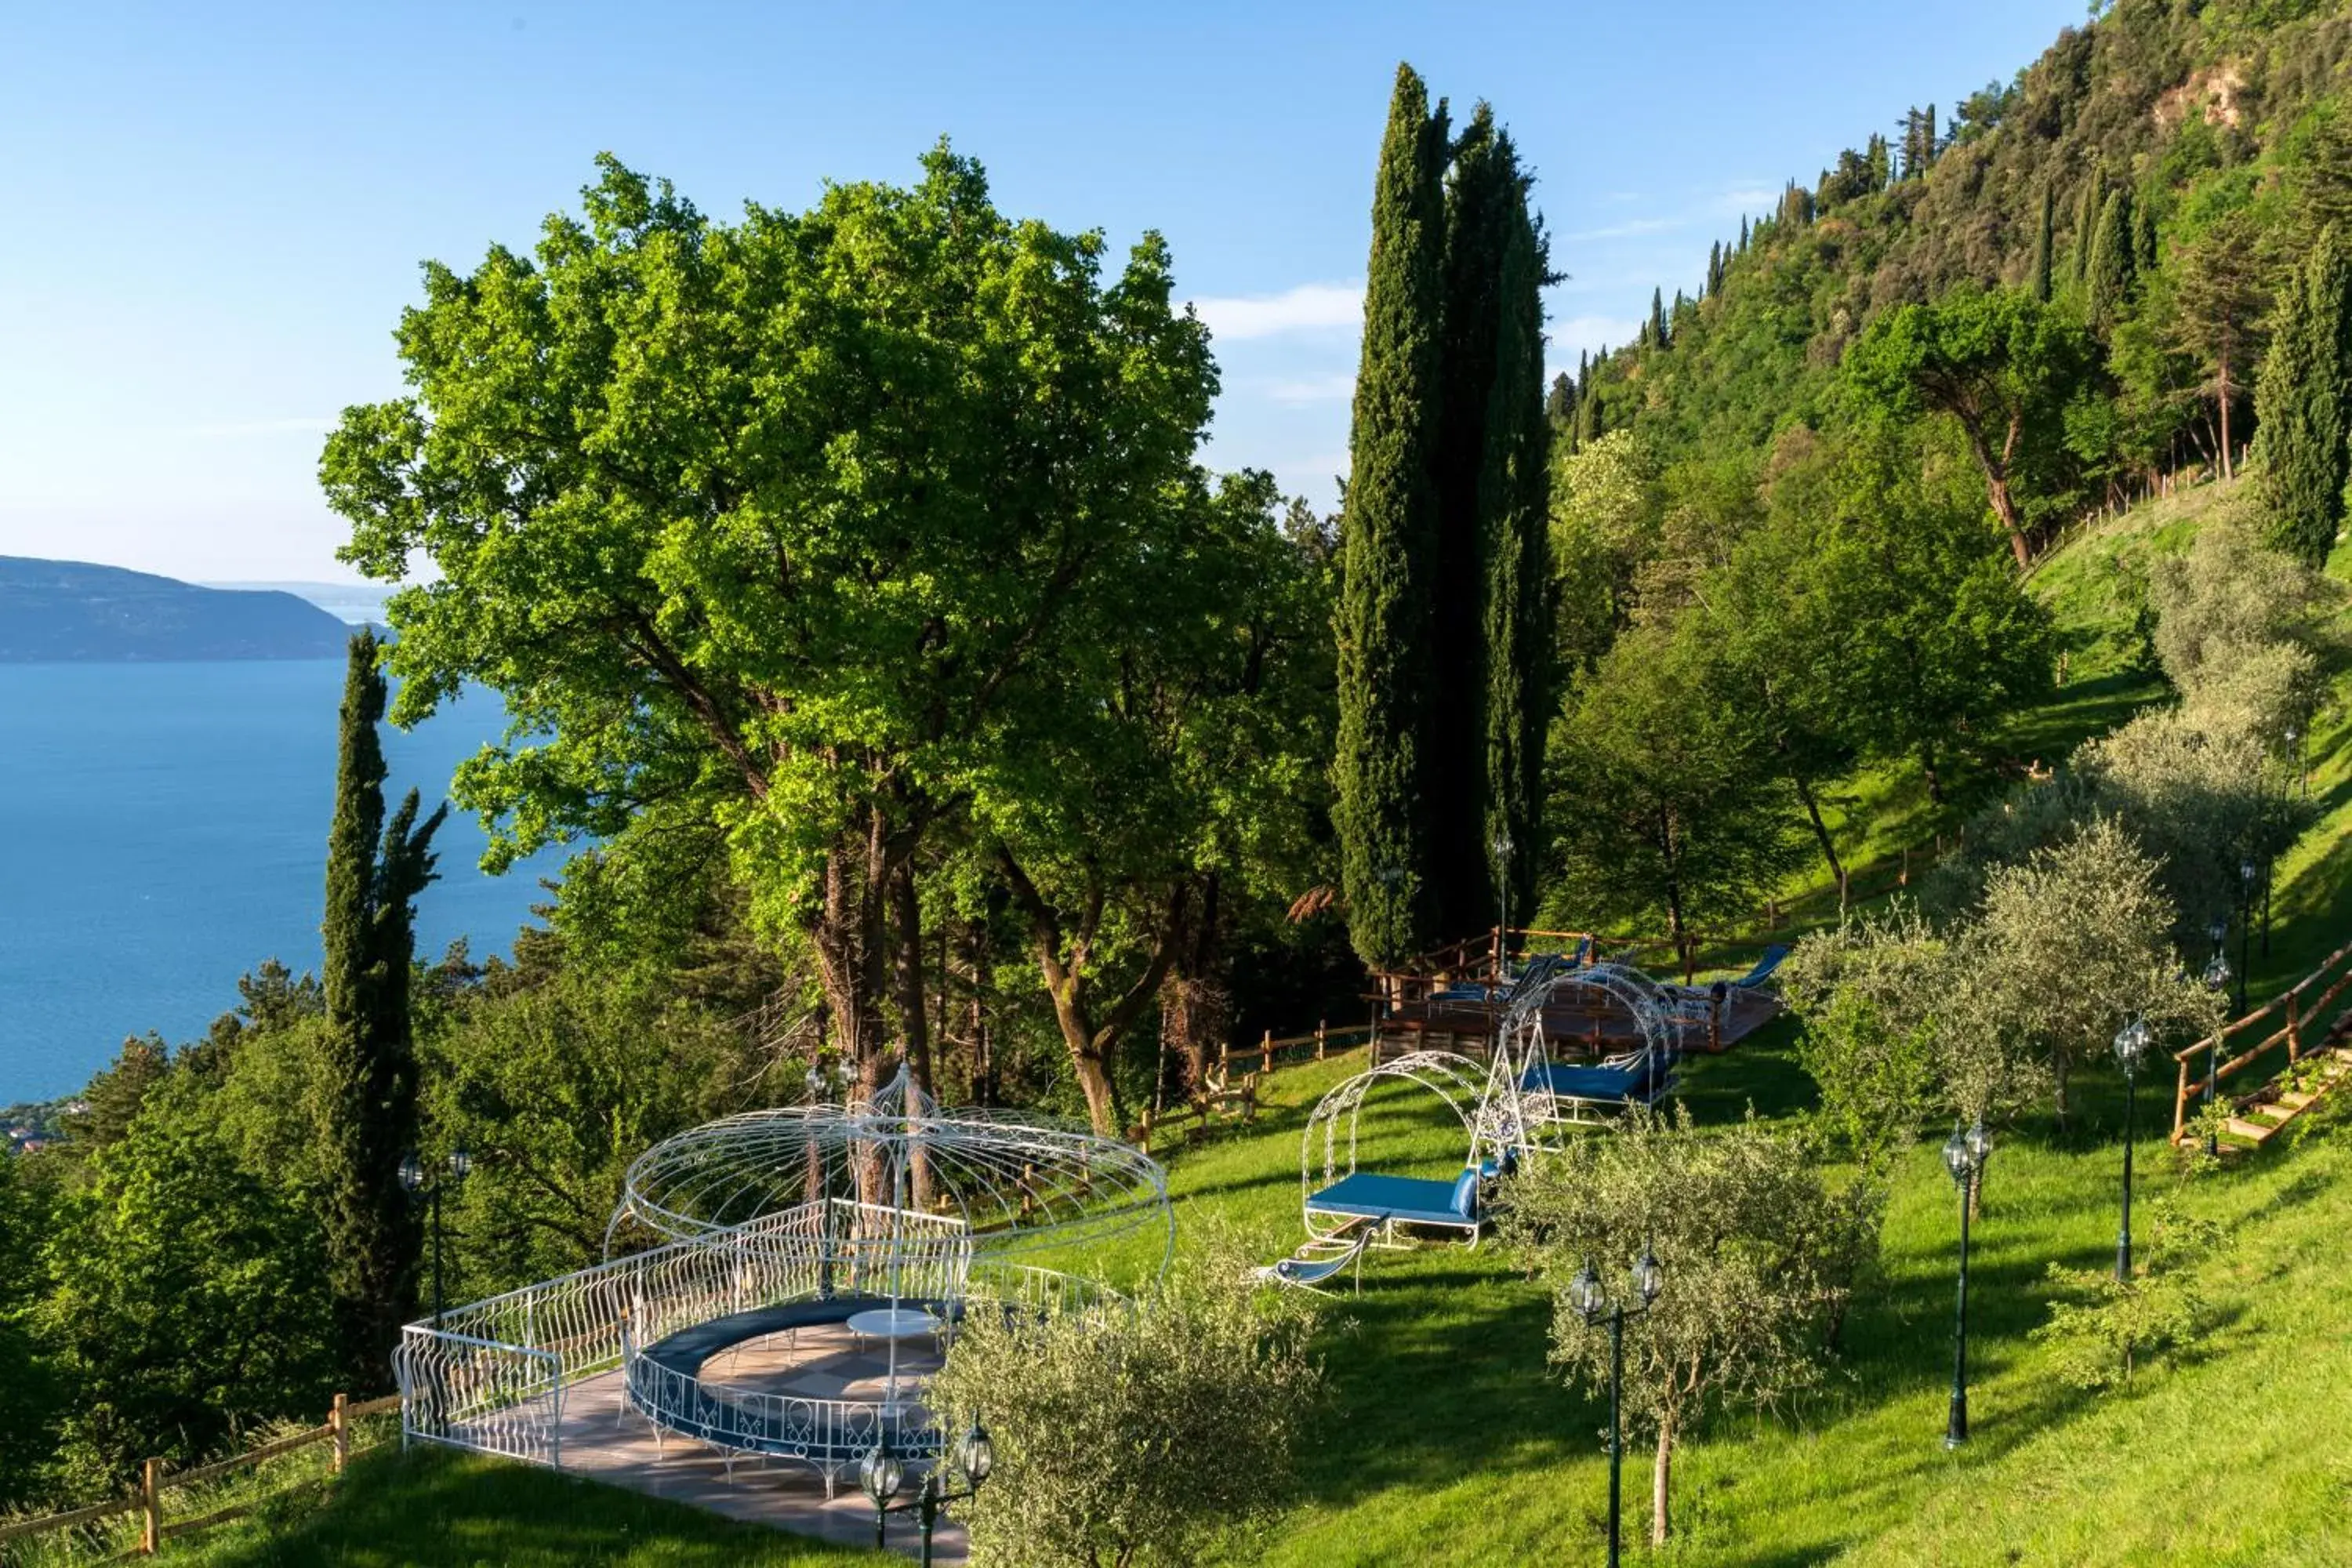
(433,1506)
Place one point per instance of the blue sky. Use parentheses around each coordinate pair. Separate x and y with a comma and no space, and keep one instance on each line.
(214,214)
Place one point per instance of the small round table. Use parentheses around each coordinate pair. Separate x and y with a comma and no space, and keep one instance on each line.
(893,1323)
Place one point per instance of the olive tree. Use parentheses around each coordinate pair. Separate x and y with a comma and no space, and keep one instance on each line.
(2077,940)
(1133,1433)
(1749,1238)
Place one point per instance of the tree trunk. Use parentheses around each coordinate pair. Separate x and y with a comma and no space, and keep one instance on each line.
(1194,1002)
(1821,833)
(913,998)
(2227,472)
(1660,1476)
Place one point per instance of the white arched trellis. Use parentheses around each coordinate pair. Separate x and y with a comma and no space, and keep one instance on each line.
(1627,1064)
(1329,1176)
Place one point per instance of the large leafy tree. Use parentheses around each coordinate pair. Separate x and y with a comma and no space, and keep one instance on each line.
(367,1111)
(2215,282)
(783,530)
(2304,403)
(1670,807)
(1382,768)
(1931,638)
(1178,775)
(2002,365)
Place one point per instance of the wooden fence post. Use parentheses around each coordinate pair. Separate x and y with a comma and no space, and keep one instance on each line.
(1322,1038)
(2293,1030)
(1265,1054)
(340,1426)
(150,1508)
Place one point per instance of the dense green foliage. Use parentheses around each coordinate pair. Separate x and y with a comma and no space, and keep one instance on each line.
(2304,399)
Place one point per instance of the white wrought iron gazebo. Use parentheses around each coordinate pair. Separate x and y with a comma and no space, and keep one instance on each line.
(884,1220)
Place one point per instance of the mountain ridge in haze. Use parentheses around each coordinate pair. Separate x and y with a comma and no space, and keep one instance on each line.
(78,613)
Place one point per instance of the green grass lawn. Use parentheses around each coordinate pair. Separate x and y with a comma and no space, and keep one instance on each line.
(432,1505)
(1449,1443)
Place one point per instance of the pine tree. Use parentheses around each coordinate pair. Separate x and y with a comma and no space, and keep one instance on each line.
(2303,404)
(1380,772)
(1559,401)
(375,871)
(2041,243)
(2109,277)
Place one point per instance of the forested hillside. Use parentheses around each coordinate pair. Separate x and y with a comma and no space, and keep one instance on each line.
(2121,274)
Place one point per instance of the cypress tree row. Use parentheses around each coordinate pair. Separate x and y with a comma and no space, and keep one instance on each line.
(2303,404)
(2041,243)
(375,871)
(1446,618)
(1385,686)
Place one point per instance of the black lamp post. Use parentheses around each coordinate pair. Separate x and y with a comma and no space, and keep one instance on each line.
(2246,871)
(1590,1299)
(2217,979)
(880,1474)
(418,1180)
(2131,1049)
(1964,1156)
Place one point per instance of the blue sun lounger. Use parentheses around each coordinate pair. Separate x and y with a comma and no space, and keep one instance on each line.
(1598,1088)
(1403,1200)
(1318,1261)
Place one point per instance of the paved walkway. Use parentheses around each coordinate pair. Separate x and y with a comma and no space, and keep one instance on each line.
(603,1441)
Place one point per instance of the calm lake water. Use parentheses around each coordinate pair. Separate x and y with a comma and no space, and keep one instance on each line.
(163,829)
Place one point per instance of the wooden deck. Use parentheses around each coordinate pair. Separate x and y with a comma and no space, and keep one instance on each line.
(1469,1027)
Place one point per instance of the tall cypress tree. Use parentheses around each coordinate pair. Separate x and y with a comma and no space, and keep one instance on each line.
(375,871)
(1743,234)
(1514,501)
(1385,677)
(2086,220)
(1715,266)
(2303,404)
(2041,242)
(1477,194)
(1657,318)
(2109,276)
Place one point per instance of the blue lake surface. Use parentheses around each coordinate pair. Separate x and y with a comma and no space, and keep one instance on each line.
(163,830)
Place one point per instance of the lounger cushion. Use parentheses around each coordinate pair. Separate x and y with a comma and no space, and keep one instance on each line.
(1407,1198)
(1465,1194)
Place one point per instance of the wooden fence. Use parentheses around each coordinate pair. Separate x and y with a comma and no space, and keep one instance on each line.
(155,1526)
(2304,1018)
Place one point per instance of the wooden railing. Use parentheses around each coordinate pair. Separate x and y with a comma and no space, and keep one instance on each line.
(2299,1018)
(155,1526)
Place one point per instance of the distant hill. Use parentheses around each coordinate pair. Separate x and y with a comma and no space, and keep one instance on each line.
(356,603)
(72,611)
